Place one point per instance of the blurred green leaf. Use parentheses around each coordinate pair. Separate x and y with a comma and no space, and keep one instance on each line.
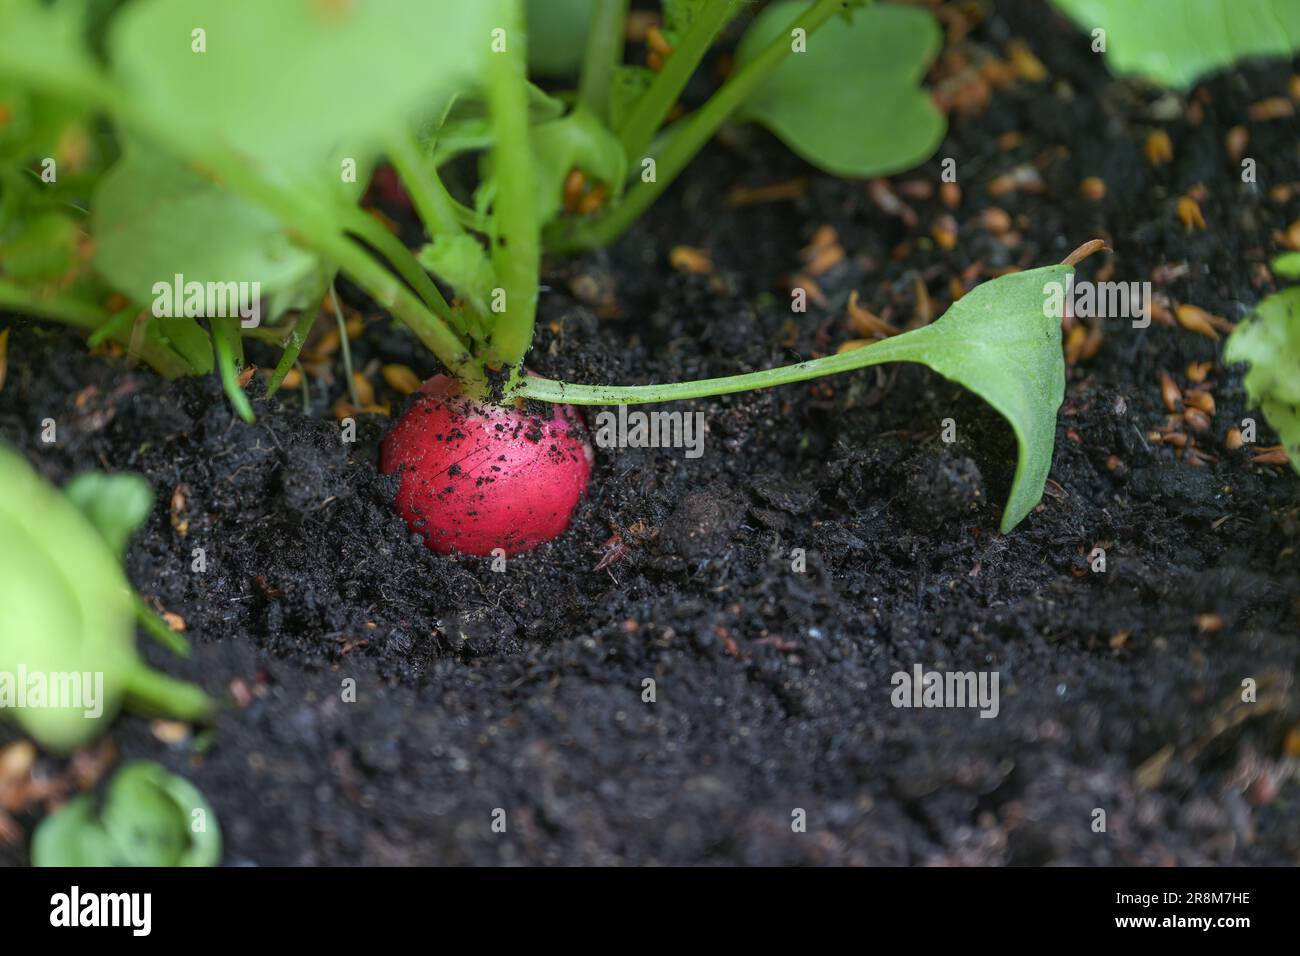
(43,249)
(298,84)
(116,505)
(45,40)
(557,35)
(68,610)
(1287,265)
(153,219)
(1175,42)
(1269,340)
(580,141)
(149,818)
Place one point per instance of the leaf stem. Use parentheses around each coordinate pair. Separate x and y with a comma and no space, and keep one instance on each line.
(230,347)
(153,692)
(516,248)
(908,347)
(400,258)
(689,136)
(432,201)
(647,115)
(345,347)
(292,346)
(602,56)
(158,629)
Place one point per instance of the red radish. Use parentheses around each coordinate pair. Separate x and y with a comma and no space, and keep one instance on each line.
(478,477)
(390,188)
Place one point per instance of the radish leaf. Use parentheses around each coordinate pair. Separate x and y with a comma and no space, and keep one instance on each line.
(153,219)
(1000,340)
(1270,341)
(267,74)
(114,504)
(149,818)
(850,104)
(1175,42)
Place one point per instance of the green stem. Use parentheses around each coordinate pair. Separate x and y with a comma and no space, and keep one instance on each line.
(345,347)
(292,346)
(516,249)
(154,693)
(230,355)
(118,322)
(909,347)
(470,218)
(441,215)
(408,267)
(602,57)
(689,136)
(648,114)
(432,201)
(158,629)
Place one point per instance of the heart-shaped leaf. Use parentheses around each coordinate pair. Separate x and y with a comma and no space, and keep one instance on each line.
(1175,42)
(850,103)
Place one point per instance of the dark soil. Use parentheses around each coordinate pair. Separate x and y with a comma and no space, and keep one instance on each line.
(523,690)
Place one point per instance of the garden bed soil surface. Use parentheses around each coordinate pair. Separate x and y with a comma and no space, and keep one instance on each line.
(475,690)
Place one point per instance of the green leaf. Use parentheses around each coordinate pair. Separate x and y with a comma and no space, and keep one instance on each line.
(851,103)
(44,40)
(462,262)
(1002,340)
(72,836)
(557,35)
(150,818)
(1269,340)
(44,248)
(153,219)
(68,610)
(1287,265)
(299,84)
(1175,42)
(467,127)
(114,504)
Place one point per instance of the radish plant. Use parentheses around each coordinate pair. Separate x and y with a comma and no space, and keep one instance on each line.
(241,133)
